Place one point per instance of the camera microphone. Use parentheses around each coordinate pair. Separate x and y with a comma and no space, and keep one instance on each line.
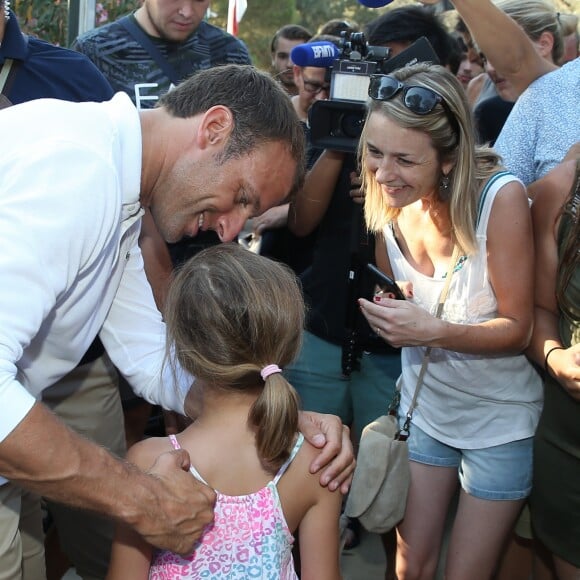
(318,54)
(374,3)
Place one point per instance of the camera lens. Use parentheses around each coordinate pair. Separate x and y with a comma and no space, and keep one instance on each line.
(357,39)
(350,124)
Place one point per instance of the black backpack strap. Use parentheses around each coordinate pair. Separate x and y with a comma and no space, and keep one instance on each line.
(130,25)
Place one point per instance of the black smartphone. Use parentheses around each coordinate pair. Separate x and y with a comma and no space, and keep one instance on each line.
(385,283)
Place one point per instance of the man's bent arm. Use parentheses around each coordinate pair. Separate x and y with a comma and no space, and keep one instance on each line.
(168,506)
(503,42)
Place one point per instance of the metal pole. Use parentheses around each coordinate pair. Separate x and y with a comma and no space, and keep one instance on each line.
(81,17)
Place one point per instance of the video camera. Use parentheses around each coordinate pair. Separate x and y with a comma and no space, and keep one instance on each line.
(337,123)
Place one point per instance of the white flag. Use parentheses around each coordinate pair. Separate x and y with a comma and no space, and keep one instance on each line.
(236,11)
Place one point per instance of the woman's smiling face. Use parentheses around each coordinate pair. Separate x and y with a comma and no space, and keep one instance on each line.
(403,161)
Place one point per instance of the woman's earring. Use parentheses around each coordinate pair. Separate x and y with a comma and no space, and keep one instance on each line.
(444,187)
(7,10)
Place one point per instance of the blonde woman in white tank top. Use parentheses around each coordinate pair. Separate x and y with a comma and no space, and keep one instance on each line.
(428,190)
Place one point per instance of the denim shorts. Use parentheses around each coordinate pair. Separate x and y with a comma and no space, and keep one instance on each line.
(503,472)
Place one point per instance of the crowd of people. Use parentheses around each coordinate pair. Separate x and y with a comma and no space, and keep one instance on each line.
(129,169)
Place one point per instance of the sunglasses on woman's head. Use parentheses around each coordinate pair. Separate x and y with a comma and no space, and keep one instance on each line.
(419,100)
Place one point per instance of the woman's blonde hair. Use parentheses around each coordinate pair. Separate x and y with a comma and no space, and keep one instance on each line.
(452,135)
(230,313)
(536,17)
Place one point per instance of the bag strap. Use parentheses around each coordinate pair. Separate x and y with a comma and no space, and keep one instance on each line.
(486,189)
(5,72)
(7,76)
(130,25)
(403,433)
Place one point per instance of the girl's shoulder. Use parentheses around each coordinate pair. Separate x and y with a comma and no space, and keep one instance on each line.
(300,490)
(298,473)
(144,453)
(306,453)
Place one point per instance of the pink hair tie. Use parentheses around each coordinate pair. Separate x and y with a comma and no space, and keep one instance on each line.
(270,370)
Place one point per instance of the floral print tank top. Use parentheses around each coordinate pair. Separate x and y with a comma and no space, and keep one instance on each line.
(248,539)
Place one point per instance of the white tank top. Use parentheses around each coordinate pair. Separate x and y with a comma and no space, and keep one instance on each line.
(467,401)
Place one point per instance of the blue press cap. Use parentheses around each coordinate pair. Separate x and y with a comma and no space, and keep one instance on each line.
(374,3)
(319,54)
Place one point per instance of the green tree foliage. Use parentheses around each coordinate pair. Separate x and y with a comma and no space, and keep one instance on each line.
(47,19)
(260,22)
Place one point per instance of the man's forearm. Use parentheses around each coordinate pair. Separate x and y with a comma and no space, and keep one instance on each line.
(503,42)
(168,507)
(44,455)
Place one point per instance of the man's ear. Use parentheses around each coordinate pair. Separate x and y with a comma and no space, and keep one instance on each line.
(216,126)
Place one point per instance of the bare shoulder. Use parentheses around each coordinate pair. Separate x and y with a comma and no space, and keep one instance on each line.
(553,188)
(300,490)
(510,222)
(145,453)
(511,195)
(305,456)
(300,471)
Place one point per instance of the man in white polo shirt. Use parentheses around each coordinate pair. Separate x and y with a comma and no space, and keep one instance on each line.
(73,182)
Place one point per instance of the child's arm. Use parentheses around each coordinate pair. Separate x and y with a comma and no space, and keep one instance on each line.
(131,554)
(319,538)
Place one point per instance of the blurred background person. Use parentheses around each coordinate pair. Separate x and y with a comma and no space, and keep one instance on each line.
(493,94)
(337,26)
(281,45)
(571,37)
(467,63)
(545,121)
(276,240)
(397,29)
(540,21)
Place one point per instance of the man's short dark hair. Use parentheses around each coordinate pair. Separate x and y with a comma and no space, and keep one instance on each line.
(290,32)
(335,26)
(262,110)
(408,24)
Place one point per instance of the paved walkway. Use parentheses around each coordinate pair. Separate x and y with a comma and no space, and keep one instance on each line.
(366,561)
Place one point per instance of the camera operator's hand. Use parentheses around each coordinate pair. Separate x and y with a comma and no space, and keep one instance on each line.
(356,193)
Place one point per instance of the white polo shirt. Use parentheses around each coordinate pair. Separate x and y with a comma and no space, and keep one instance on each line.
(70,264)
